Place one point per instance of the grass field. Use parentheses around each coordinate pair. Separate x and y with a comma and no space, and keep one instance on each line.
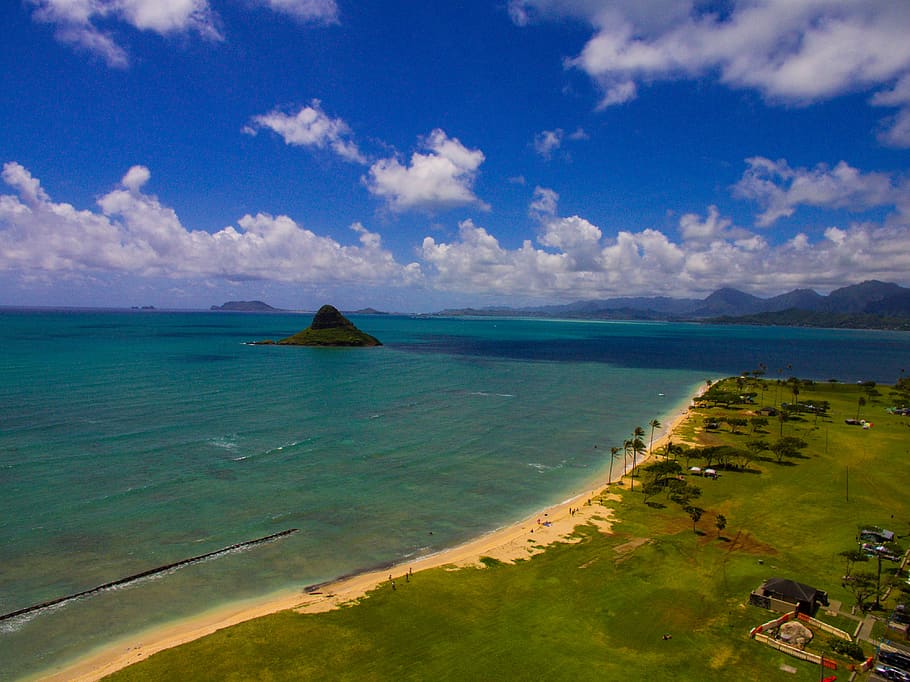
(601,608)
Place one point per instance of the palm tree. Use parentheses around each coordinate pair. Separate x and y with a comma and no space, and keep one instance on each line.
(654,424)
(637,445)
(672,449)
(613,453)
(795,391)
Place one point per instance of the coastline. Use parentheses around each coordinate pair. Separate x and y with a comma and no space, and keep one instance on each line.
(555,523)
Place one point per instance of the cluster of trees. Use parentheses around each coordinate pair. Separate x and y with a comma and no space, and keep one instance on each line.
(720,394)
(901,391)
(729,457)
(867,586)
(665,476)
(736,423)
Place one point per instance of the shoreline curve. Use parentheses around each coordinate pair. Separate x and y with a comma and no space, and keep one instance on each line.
(548,526)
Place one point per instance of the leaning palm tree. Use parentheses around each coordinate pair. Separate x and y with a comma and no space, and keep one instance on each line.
(613,452)
(629,456)
(637,445)
(654,424)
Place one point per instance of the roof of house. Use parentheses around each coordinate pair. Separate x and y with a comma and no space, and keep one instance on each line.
(793,591)
(886,535)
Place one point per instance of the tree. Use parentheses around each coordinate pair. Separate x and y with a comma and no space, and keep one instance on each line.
(859,405)
(674,449)
(821,409)
(888,550)
(788,446)
(694,514)
(782,416)
(613,453)
(720,522)
(725,455)
(662,472)
(736,422)
(863,587)
(794,389)
(684,494)
(649,489)
(758,423)
(654,424)
(638,446)
(852,556)
(688,454)
(756,447)
(745,457)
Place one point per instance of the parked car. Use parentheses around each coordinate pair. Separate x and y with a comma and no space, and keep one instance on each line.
(880,550)
(895,659)
(890,673)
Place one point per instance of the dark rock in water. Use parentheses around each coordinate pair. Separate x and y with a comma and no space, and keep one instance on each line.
(329,328)
(328,317)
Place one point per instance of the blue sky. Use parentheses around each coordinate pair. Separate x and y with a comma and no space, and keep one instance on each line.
(412,156)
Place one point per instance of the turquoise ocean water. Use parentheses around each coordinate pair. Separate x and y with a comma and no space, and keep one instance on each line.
(130,440)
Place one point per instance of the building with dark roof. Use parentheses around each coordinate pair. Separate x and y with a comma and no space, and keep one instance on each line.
(784,595)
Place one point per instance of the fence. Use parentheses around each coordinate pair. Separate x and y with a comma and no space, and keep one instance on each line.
(830,629)
(758,634)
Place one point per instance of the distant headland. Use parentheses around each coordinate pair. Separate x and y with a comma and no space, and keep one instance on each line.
(245,307)
(328,328)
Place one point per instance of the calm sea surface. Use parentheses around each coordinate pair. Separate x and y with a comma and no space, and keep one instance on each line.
(131,440)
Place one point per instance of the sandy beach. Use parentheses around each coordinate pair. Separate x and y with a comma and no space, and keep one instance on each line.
(550,525)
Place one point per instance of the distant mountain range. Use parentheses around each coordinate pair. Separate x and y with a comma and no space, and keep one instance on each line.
(868,305)
(871,304)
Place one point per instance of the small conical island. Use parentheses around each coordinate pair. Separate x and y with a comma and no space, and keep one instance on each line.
(329,328)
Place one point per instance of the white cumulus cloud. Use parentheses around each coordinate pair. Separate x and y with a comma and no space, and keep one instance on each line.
(548,141)
(442,177)
(780,189)
(80,22)
(316,11)
(575,259)
(93,25)
(134,233)
(791,51)
(310,126)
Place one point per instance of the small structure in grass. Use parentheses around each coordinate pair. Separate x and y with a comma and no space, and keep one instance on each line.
(875,534)
(784,595)
(792,632)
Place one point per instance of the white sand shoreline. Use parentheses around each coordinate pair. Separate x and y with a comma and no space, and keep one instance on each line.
(514,541)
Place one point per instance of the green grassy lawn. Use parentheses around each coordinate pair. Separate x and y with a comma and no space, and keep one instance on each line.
(600,608)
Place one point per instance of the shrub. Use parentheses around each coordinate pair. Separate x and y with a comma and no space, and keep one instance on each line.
(848,649)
